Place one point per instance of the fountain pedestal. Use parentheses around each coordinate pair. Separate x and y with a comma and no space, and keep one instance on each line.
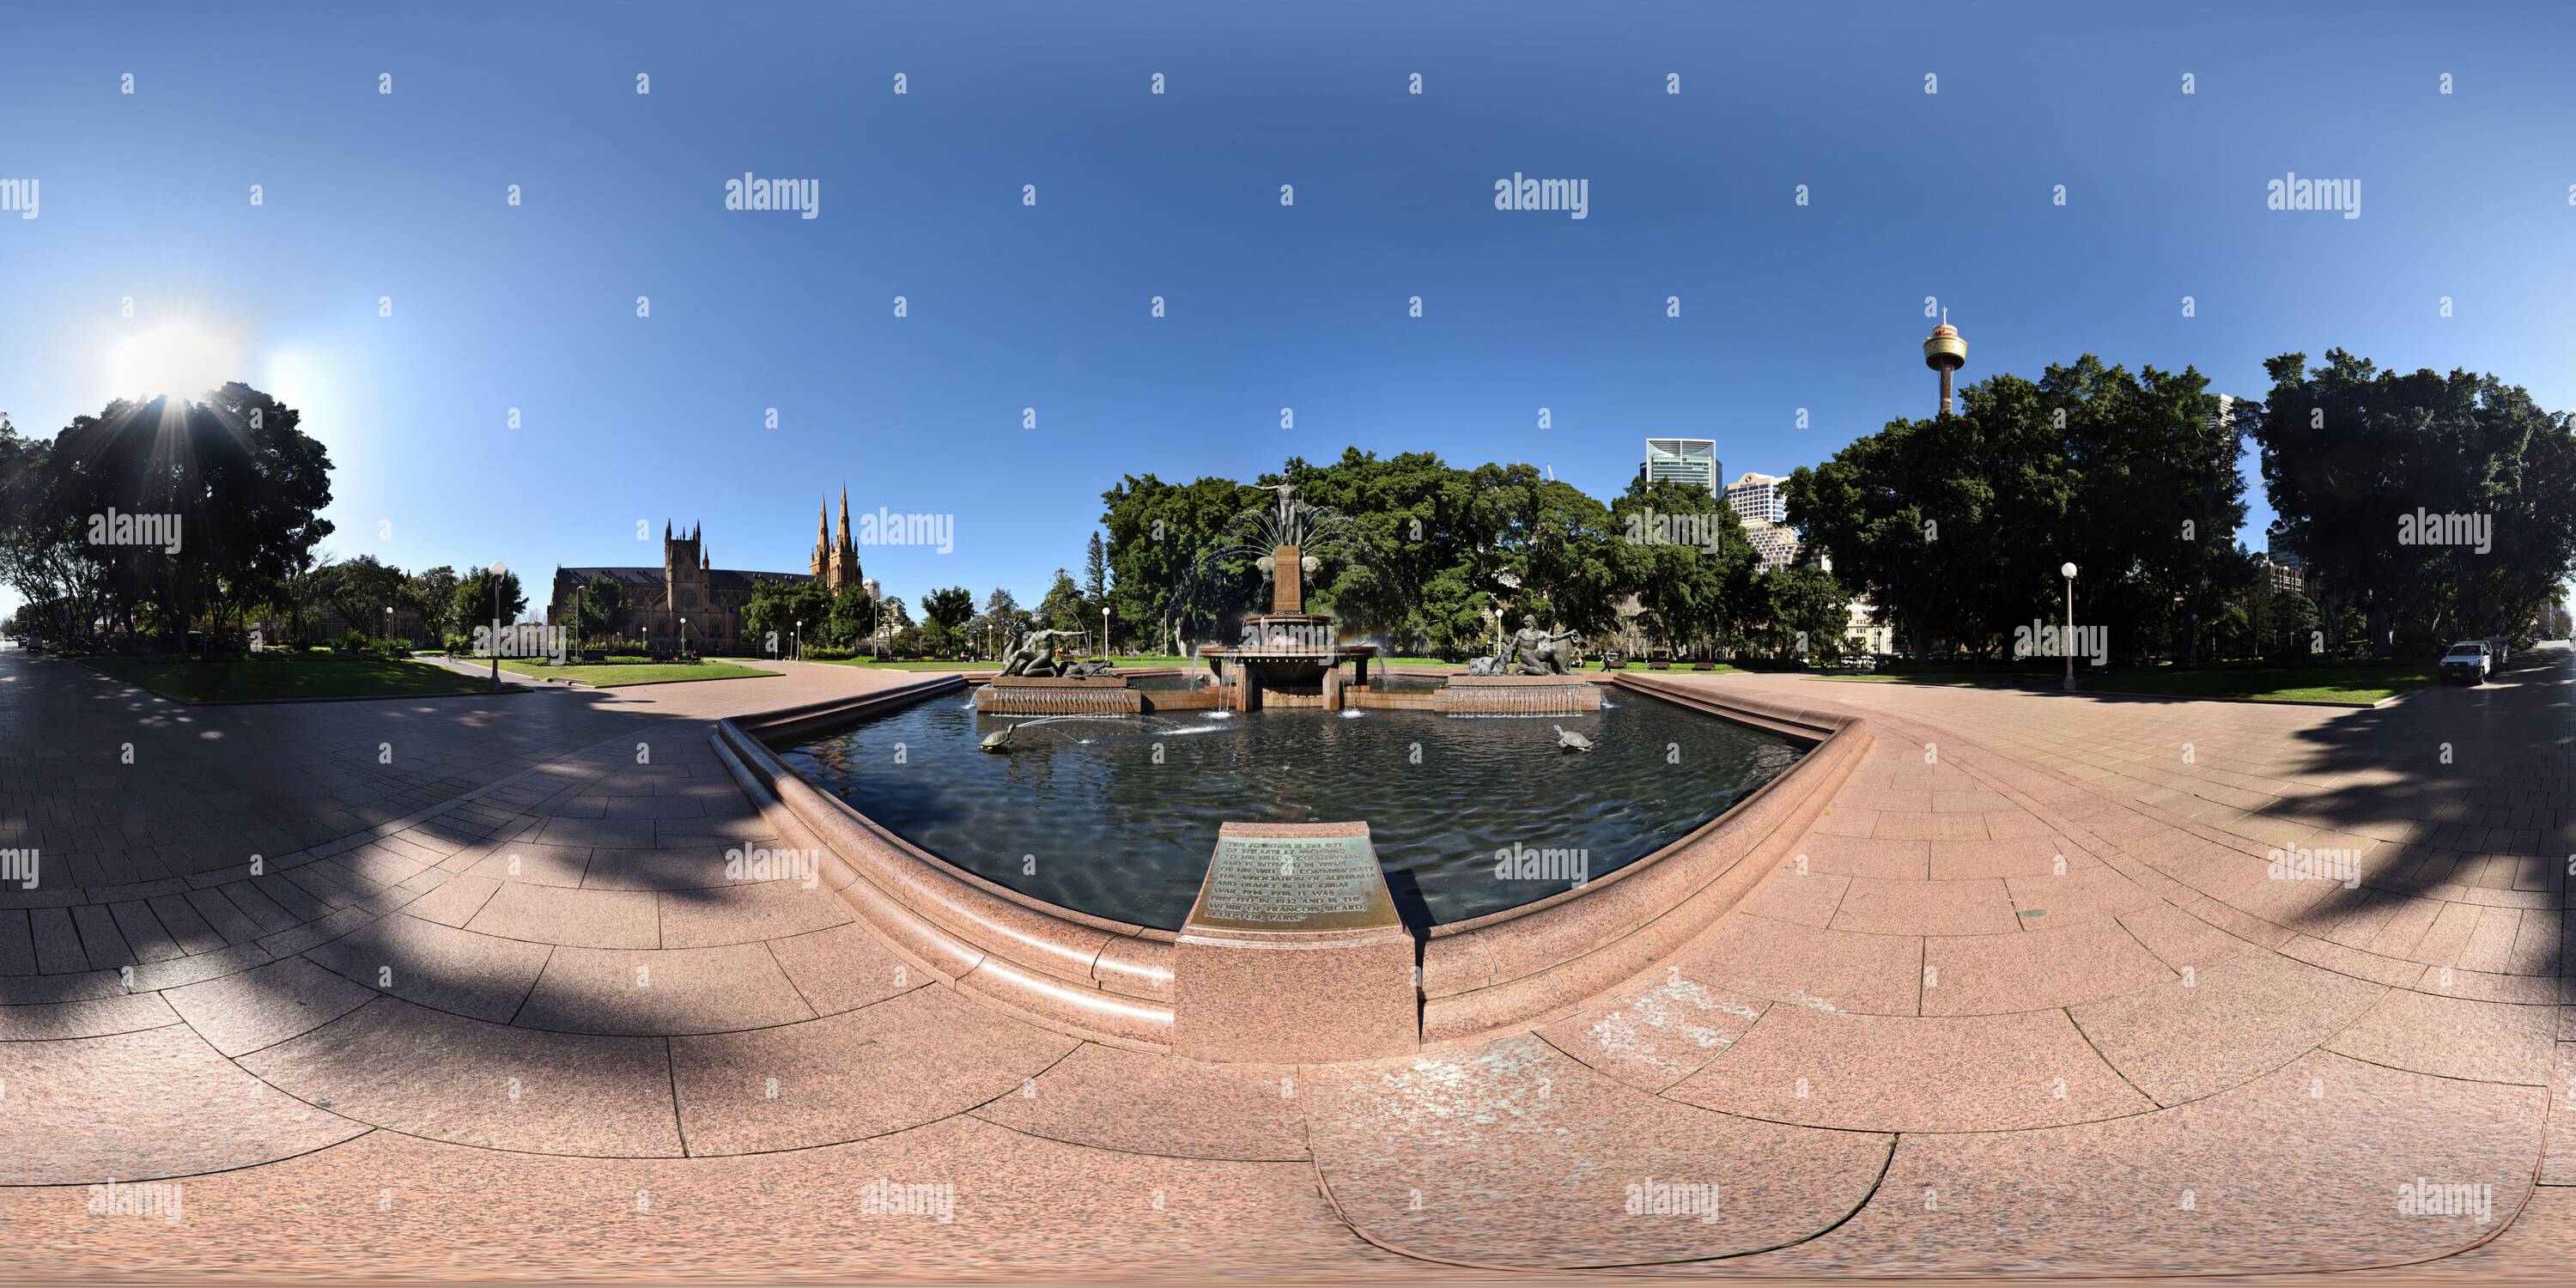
(1288,651)
(1294,952)
(1046,695)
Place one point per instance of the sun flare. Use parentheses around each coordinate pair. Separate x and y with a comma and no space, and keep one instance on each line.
(176,358)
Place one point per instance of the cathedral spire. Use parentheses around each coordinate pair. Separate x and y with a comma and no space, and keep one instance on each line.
(845,517)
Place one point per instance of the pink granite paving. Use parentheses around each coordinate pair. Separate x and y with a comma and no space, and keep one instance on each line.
(2032,996)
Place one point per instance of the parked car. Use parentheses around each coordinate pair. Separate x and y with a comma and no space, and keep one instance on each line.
(2469,661)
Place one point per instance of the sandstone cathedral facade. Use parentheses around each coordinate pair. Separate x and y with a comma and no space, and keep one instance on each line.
(689,602)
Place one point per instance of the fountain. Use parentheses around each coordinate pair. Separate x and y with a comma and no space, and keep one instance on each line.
(1289,657)
(1120,857)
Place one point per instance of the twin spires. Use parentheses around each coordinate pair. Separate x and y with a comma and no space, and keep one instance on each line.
(824,545)
(836,560)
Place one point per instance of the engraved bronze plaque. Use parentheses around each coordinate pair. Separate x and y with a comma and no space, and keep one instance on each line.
(1290,878)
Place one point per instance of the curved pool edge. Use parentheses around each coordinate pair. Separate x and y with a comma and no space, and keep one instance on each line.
(1522,966)
(1111,982)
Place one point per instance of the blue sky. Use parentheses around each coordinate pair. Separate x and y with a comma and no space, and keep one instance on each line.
(369,195)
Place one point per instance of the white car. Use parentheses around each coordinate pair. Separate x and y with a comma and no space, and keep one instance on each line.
(2469,662)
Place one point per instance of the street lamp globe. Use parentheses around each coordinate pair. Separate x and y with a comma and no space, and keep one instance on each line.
(2067,571)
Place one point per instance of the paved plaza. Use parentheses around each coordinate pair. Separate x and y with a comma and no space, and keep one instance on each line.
(2056,984)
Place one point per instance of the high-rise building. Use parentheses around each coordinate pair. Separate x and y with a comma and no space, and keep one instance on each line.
(1775,545)
(1682,460)
(1757,499)
(2281,551)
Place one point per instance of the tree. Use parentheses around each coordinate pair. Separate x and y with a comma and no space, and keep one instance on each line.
(2356,461)
(231,487)
(601,608)
(1808,612)
(1955,526)
(1063,607)
(361,589)
(2293,617)
(1157,533)
(783,615)
(1002,622)
(945,612)
(474,603)
(432,594)
(1095,577)
(1686,557)
(848,616)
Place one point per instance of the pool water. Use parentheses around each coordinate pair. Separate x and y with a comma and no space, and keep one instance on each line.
(1115,815)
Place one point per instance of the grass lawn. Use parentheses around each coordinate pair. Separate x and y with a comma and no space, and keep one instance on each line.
(2360,683)
(268,679)
(618,675)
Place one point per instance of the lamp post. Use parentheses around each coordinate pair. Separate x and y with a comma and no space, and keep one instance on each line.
(1104,630)
(2067,644)
(684,637)
(796,629)
(493,645)
(389,625)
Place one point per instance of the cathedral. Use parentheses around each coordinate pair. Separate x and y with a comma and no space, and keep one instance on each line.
(836,563)
(690,603)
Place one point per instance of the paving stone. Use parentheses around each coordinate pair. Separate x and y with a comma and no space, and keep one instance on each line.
(883,1068)
(141,1105)
(1909,1073)
(2223,1026)
(1515,1154)
(661,991)
(2454,1037)
(1152,1104)
(480,975)
(267,1004)
(469,1082)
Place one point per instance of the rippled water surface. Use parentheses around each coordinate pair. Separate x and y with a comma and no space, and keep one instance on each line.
(1116,815)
